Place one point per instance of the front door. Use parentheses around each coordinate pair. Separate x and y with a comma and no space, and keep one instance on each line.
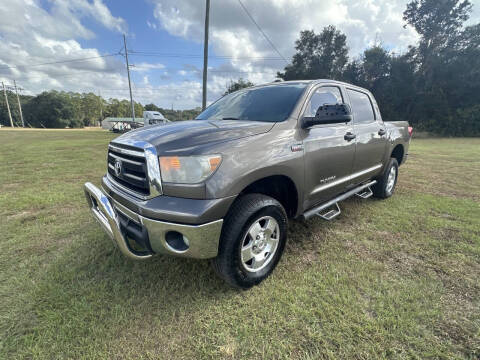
(371,136)
(328,154)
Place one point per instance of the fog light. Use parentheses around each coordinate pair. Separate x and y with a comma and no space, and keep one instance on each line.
(176,241)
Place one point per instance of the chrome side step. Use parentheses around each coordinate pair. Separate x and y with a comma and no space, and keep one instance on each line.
(365,193)
(329,215)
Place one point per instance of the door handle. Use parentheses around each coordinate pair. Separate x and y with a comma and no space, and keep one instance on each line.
(381,132)
(349,136)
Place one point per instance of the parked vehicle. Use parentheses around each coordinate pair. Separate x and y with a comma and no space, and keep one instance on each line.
(151,118)
(223,186)
(121,125)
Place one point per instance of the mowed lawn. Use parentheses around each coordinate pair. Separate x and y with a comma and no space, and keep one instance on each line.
(388,279)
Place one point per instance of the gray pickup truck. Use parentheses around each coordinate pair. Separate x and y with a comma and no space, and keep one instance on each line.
(224,185)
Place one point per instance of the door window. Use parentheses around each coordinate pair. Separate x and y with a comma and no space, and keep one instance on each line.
(321,96)
(361,106)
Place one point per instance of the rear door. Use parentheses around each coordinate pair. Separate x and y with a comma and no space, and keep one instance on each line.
(370,135)
(328,154)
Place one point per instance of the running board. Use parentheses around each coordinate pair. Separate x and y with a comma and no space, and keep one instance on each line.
(330,214)
(365,193)
(318,209)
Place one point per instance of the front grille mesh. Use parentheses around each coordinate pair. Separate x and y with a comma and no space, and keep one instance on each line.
(133,168)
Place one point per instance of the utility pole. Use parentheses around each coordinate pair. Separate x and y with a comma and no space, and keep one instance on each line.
(8,106)
(101,107)
(128,73)
(19,104)
(205,56)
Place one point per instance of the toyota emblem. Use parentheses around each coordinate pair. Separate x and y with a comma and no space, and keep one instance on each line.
(118,168)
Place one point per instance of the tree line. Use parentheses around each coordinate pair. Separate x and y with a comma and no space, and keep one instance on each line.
(58,109)
(435,84)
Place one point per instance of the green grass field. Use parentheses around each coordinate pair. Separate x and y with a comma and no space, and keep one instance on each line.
(388,279)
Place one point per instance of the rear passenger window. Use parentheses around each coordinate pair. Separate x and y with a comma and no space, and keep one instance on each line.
(321,96)
(361,106)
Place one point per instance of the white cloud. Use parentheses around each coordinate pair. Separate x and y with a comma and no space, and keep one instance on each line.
(475,18)
(143,66)
(96,10)
(30,36)
(233,34)
(182,95)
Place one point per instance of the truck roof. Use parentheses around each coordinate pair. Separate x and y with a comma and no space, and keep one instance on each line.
(313,82)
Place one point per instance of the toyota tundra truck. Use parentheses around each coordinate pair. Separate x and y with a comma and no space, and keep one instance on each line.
(223,186)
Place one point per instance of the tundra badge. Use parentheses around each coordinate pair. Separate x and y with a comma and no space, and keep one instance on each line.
(328,179)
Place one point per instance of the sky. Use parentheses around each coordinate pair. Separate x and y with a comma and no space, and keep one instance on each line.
(77,45)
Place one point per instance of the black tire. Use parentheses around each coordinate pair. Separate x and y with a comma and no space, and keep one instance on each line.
(245,212)
(381,189)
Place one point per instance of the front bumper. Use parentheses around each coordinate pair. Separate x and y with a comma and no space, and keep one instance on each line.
(124,225)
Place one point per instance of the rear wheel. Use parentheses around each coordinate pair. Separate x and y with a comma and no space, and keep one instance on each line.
(385,186)
(253,239)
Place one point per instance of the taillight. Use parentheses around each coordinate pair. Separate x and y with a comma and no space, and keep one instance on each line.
(410,130)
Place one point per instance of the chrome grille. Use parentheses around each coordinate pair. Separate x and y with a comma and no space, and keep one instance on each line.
(127,166)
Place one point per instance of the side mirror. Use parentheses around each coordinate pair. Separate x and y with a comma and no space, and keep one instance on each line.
(329,114)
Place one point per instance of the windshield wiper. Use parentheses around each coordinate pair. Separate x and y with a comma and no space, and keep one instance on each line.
(230,118)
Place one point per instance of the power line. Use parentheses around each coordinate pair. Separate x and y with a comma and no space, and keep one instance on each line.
(263,33)
(59,62)
(193,71)
(152,54)
(196,56)
(77,73)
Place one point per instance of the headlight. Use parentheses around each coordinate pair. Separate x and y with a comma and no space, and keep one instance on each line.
(188,169)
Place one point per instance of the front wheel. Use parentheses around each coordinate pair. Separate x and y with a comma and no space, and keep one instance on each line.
(253,239)
(385,185)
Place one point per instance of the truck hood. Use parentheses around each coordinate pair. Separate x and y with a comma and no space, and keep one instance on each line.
(185,136)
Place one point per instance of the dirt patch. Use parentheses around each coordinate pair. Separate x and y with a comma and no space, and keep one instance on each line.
(21,215)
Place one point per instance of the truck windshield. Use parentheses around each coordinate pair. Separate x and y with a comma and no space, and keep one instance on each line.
(271,103)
